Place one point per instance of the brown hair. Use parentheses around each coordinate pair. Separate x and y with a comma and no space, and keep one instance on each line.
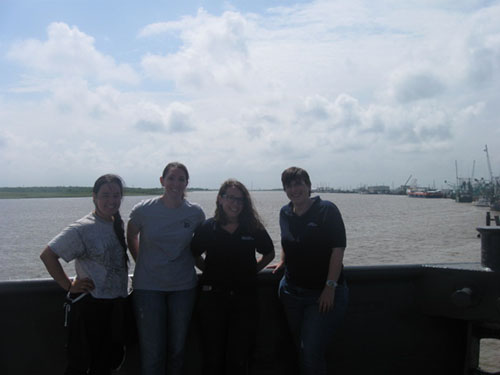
(248,218)
(295,174)
(173,165)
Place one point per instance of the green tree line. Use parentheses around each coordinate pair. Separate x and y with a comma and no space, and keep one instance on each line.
(70,191)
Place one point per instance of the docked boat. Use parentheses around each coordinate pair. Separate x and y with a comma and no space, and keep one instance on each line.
(424,193)
(482,202)
(495,185)
(495,206)
(463,197)
(463,189)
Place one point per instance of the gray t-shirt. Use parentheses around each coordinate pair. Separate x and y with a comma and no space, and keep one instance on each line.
(165,262)
(93,244)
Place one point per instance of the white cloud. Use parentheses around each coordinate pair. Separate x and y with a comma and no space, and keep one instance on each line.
(176,118)
(214,51)
(350,90)
(71,53)
(418,86)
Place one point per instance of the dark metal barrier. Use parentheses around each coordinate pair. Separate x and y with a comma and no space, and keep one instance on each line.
(409,319)
(490,247)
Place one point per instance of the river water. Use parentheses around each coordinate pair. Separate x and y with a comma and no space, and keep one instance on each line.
(381,229)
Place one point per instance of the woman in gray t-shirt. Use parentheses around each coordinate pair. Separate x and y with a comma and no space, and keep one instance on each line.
(159,234)
(96,243)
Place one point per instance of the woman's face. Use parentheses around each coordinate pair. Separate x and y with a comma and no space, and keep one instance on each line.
(107,200)
(297,191)
(175,183)
(232,203)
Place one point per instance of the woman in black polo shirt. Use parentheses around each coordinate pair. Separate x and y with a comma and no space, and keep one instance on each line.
(227,300)
(313,289)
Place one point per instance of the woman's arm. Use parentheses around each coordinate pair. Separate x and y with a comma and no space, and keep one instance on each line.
(326,299)
(265,260)
(53,265)
(199,262)
(133,240)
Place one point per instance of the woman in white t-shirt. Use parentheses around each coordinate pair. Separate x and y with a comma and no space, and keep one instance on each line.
(97,244)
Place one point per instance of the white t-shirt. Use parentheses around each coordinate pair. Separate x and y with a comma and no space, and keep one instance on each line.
(165,262)
(93,244)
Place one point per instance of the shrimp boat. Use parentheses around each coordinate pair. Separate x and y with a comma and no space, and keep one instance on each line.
(482,202)
(495,206)
(495,185)
(463,188)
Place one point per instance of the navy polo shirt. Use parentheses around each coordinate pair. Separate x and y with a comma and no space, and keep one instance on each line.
(308,240)
(230,257)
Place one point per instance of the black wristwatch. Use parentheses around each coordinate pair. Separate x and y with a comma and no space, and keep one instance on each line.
(331,283)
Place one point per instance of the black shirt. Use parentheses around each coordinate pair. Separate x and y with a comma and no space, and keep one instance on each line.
(308,240)
(230,257)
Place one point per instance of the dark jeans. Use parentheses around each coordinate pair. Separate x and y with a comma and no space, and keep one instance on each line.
(228,321)
(312,331)
(163,320)
(95,336)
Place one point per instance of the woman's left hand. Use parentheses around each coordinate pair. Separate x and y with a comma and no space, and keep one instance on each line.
(326,299)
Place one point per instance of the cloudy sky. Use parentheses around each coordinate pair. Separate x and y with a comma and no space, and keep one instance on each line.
(356,92)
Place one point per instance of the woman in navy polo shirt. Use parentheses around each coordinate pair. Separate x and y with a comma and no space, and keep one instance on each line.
(313,290)
(228,298)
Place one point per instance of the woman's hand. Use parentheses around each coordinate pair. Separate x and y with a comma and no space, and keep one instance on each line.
(82,286)
(276,267)
(281,264)
(326,299)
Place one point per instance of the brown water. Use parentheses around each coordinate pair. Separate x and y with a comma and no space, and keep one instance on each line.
(381,229)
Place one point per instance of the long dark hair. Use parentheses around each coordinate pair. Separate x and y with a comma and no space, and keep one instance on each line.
(249,219)
(118,225)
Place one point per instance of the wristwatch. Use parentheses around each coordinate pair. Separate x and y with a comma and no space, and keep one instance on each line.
(331,283)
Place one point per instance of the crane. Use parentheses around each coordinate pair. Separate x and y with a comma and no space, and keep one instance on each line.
(407,181)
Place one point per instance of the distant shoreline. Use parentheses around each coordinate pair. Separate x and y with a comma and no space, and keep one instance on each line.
(70,192)
(78,191)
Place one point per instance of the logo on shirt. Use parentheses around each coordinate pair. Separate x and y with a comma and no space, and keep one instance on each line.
(247,238)
(312,224)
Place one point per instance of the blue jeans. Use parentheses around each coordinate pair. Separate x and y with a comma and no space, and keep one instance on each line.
(163,320)
(311,330)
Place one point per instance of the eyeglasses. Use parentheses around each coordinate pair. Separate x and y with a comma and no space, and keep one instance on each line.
(233,199)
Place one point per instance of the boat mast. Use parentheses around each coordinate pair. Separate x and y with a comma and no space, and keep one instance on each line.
(493,181)
(489,163)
